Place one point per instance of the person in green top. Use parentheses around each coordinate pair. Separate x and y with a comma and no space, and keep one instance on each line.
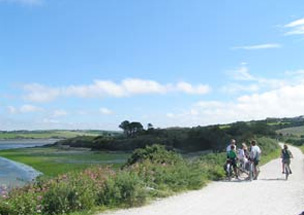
(286,155)
(232,156)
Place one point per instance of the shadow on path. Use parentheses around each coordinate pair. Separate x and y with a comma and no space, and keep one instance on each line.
(272,179)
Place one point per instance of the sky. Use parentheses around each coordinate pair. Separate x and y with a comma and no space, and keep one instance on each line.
(91,64)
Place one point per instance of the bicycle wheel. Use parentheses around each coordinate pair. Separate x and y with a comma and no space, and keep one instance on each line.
(287,171)
(229,171)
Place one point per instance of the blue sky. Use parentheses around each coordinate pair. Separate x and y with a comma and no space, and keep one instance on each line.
(90,64)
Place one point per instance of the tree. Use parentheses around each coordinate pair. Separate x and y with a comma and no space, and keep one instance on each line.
(150,126)
(131,129)
(135,127)
(125,126)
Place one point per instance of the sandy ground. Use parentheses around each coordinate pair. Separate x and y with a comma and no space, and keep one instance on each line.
(271,194)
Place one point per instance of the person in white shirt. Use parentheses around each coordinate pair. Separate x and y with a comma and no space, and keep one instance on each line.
(232,142)
(254,156)
(243,155)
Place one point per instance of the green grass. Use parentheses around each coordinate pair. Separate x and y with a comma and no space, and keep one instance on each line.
(47,134)
(296,131)
(54,161)
(278,123)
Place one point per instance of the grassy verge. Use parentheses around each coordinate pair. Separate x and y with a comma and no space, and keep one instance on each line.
(270,149)
(55,161)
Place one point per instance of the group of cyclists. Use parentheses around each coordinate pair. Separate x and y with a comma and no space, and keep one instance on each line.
(246,160)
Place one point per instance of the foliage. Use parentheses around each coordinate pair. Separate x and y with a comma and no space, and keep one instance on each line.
(193,139)
(125,189)
(156,154)
(131,128)
(165,171)
(150,172)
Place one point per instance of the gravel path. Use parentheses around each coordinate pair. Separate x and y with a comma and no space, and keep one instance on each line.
(271,194)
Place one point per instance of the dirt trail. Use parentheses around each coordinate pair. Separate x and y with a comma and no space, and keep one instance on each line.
(271,194)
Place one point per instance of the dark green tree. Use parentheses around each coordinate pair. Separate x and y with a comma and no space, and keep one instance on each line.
(135,128)
(125,126)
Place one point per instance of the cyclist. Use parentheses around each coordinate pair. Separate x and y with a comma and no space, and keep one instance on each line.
(232,143)
(254,156)
(232,158)
(286,155)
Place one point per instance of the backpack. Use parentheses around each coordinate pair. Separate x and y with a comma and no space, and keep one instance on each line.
(285,154)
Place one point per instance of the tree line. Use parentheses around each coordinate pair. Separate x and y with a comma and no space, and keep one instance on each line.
(214,137)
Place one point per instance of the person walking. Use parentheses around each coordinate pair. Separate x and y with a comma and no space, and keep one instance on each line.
(255,156)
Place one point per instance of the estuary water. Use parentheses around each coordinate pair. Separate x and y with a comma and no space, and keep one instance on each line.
(12,173)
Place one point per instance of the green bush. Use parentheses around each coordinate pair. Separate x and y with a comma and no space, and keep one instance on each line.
(157,154)
(124,189)
(21,203)
(165,171)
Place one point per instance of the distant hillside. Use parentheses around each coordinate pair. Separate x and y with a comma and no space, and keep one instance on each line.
(295,131)
(280,123)
(53,134)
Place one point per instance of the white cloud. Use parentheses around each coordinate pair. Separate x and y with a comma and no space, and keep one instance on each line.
(188,88)
(287,101)
(105,88)
(50,121)
(40,93)
(298,22)
(259,46)
(234,88)
(256,84)
(59,113)
(30,108)
(295,27)
(241,73)
(25,2)
(170,115)
(24,109)
(299,72)
(139,86)
(105,111)
(12,109)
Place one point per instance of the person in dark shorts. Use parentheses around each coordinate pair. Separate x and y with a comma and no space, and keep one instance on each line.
(286,155)
(255,156)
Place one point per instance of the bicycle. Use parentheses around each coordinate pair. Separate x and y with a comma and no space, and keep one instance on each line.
(287,170)
(243,167)
(228,169)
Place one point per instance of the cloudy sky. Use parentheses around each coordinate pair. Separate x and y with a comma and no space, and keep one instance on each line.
(90,64)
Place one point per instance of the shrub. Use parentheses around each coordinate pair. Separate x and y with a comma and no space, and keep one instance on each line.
(165,171)
(124,189)
(157,154)
(21,203)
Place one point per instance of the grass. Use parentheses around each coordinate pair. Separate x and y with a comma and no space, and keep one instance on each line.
(52,161)
(273,155)
(296,131)
(47,134)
